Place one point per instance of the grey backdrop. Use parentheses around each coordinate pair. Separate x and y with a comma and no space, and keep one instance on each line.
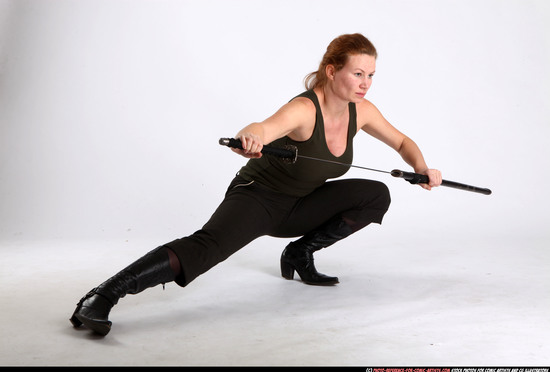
(110,111)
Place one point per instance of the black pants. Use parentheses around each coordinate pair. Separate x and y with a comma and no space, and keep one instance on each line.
(250,210)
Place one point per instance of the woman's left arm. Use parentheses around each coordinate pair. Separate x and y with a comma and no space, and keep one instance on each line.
(370,120)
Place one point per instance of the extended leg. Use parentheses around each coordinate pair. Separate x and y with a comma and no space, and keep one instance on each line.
(154,268)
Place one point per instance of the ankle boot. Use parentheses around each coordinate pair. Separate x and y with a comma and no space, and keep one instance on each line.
(298,255)
(148,271)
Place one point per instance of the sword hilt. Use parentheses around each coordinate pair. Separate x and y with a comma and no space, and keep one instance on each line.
(289,153)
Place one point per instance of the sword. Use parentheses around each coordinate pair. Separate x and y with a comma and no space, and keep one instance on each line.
(289,154)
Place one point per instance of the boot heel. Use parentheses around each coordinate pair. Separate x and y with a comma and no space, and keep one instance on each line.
(100,327)
(287,270)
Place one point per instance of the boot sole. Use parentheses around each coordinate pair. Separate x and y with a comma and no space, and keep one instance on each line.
(101,328)
(287,272)
(321,283)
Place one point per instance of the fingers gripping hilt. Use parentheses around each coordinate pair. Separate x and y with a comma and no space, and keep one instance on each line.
(288,154)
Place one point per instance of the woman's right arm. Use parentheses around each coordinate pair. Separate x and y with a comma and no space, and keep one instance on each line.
(295,119)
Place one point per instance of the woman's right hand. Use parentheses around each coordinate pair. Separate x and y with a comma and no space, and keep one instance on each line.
(252,145)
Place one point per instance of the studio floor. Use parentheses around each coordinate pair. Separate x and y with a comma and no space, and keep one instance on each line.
(447,302)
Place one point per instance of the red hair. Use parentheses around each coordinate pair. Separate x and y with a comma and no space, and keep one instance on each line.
(337,55)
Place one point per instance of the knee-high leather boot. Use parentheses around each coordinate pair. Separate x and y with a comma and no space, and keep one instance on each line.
(148,271)
(298,255)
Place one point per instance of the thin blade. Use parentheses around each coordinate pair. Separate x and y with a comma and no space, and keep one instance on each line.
(339,163)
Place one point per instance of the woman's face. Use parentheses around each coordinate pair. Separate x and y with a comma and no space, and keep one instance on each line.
(352,82)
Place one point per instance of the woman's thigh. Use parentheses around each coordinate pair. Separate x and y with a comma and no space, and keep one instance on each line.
(247,212)
(358,200)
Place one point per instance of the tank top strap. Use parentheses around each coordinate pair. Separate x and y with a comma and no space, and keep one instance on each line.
(319,129)
(352,129)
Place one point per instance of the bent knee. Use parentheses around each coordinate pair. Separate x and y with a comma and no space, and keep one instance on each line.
(376,194)
(384,197)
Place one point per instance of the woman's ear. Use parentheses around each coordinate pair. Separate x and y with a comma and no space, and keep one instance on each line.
(330,71)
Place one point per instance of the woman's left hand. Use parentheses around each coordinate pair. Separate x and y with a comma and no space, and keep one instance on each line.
(434,176)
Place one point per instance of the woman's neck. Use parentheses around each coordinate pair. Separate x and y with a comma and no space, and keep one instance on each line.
(333,107)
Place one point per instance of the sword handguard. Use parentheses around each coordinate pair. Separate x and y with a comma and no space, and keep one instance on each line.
(289,154)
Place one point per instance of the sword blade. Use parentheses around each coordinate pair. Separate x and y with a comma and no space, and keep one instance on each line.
(340,163)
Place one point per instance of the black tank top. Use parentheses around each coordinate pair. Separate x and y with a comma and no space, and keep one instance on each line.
(305,175)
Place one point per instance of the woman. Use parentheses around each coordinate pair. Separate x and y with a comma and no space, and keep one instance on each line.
(270,197)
